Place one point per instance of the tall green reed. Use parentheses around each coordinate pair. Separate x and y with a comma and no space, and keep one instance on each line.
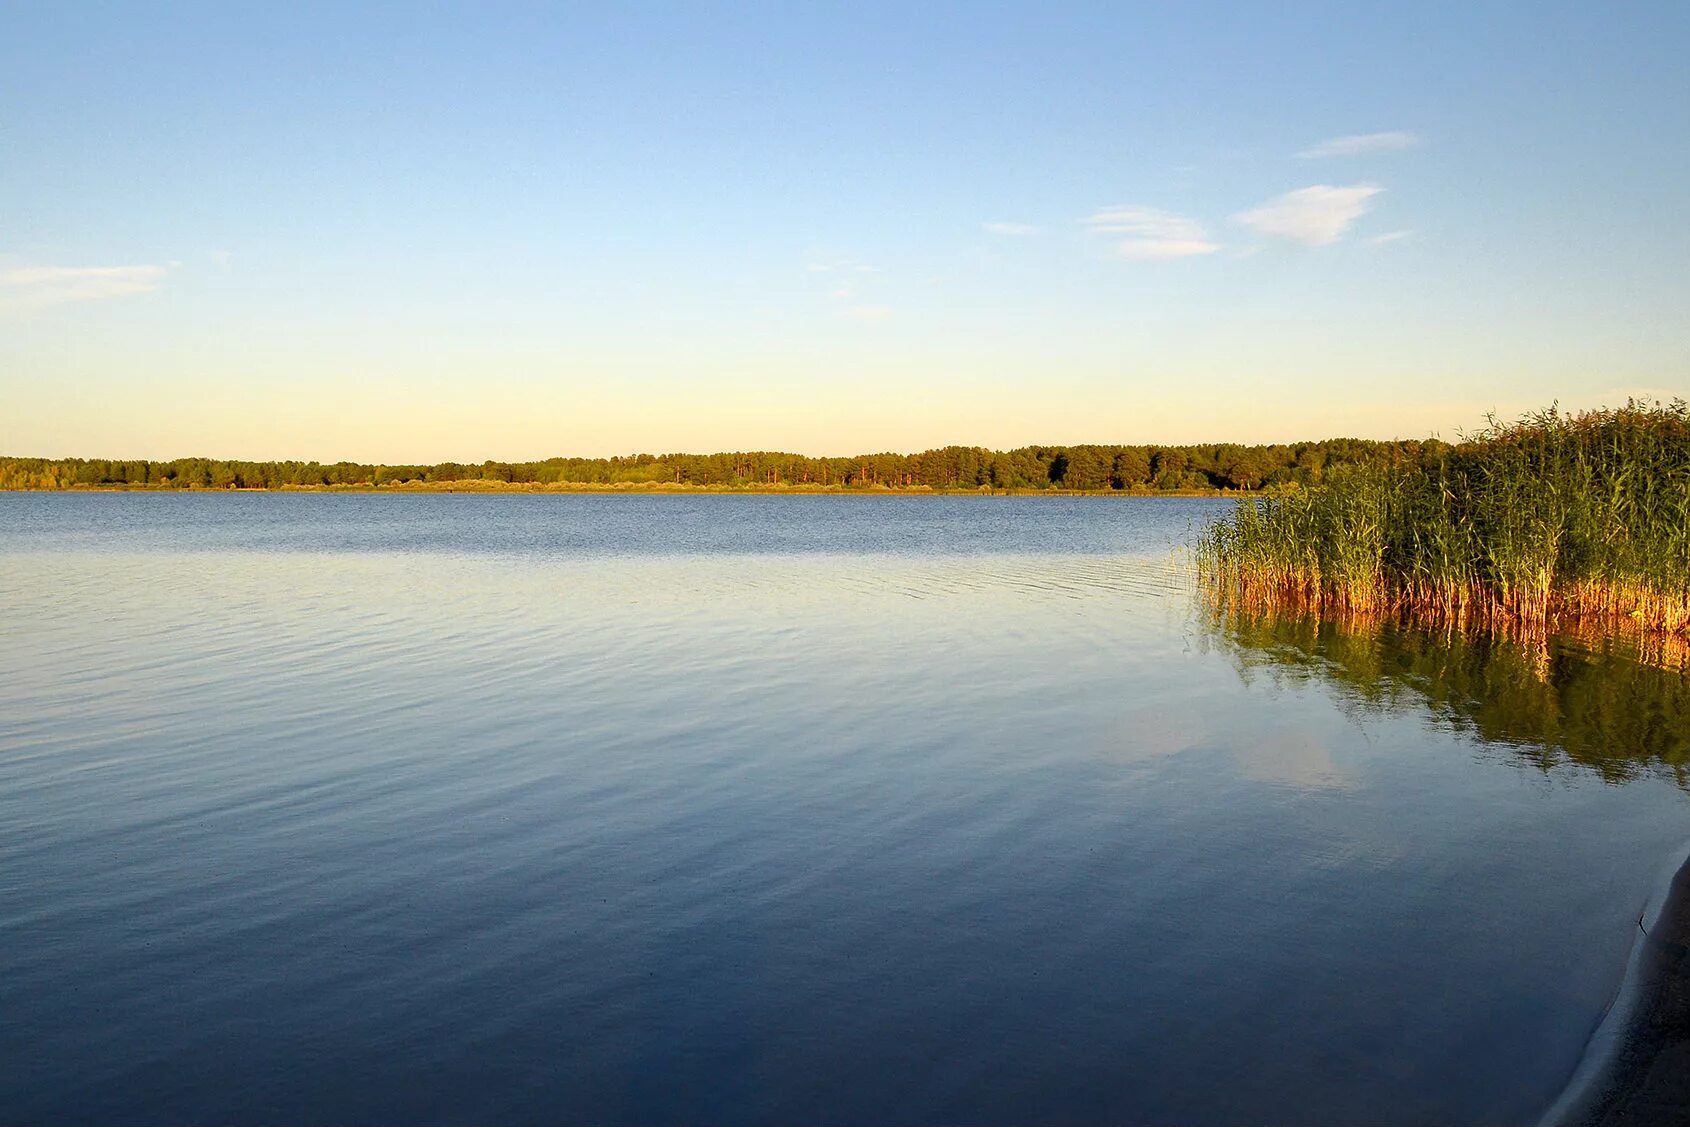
(1549,519)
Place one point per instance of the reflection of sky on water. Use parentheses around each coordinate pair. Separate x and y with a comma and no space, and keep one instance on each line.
(904,835)
(1298,757)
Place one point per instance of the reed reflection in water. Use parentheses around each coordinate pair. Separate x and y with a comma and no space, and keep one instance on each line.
(1616,705)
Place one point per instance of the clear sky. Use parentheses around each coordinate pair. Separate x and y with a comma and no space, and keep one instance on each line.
(421,232)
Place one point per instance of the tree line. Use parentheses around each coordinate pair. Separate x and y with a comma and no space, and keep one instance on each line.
(1081,467)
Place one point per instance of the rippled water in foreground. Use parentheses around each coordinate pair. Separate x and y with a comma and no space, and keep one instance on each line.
(317,808)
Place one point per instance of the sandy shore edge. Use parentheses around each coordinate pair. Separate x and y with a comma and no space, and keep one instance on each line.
(1636,1066)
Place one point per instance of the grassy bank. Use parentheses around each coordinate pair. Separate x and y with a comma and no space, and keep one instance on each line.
(1553,519)
(490,485)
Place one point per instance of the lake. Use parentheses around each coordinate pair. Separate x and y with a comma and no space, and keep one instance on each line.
(320,808)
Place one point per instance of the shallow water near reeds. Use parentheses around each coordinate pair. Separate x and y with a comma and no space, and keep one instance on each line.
(721,809)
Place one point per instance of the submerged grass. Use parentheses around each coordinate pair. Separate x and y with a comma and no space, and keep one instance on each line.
(1540,524)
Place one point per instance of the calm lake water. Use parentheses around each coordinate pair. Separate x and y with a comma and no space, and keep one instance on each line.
(450,809)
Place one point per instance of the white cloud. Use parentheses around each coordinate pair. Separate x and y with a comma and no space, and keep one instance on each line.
(37,287)
(1138,232)
(1389,237)
(869,312)
(1313,216)
(1010,228)
(1163,248)
(1360,144)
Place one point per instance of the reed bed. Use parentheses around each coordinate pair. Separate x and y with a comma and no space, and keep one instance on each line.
(1540,524)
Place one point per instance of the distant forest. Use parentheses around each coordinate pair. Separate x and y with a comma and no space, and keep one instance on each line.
(1086,467)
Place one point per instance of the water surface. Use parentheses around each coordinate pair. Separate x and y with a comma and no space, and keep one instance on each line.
(712,809)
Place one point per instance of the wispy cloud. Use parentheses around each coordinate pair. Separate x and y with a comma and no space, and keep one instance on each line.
(839,266)
(38,287)
(845,279)
(1389,237)
(1359,144)
(1313,216)
(1139,232)
(1009,228)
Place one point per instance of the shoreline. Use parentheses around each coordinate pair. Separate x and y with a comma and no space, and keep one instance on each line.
(1635,1068)
(662,488)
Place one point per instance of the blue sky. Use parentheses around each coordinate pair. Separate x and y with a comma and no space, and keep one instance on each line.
(424,232)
